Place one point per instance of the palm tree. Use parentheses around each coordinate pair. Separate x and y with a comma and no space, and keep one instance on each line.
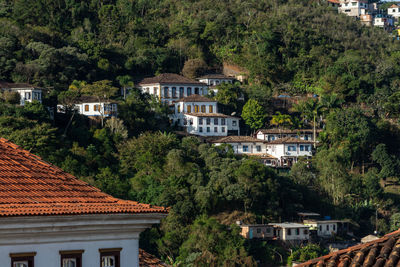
(310,110)
(329,102)
(281,120)
(126,82)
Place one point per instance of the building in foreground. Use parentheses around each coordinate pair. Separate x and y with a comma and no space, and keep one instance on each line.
(169,87)
(380,252)
(50,218)
(27,92)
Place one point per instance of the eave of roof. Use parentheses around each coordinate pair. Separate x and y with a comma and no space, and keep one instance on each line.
(30,186)
(290,140)
(238,139)
(196,98)
(212,115)
(169,78)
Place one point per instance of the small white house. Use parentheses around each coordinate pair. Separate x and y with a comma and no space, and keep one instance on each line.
(327,228)
(275,134)
(27,92)
(289,231)
(50,218)
(353,8)
(394,11)
(213,80)
(288,150)
(169,87)
(91,106)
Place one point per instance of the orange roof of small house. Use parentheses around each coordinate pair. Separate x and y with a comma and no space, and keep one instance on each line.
(394,6)
(30,186)
(384,251)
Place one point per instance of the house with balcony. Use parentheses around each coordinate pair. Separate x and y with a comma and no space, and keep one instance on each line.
(288,150)
(170,87)
(51,218)
(198,115)
(27,92)
(93,107)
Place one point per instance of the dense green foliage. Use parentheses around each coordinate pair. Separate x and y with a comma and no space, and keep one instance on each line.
(75,48)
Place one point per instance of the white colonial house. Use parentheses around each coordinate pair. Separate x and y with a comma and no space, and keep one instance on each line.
(327,228)
(287,150)
(353,8)
(198,115)
(275,134)
(169,87)
(92,106)
(50,218)
(213,80)
(27,92)
(291,232)
(394,11)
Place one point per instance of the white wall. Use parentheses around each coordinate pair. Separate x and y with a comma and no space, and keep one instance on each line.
(293,235)
(215,81)
(47,235)
(195,127)
(48,253)
(395,12)
(252,147)
(92,112)
(29,95)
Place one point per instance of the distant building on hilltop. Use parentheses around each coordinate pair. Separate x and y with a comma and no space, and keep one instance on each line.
(27,92)
(169,87)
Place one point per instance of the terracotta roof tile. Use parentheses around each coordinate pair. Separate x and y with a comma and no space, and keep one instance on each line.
(238,139)
(196,98)
(213,115)
(31,186)
(290,140)
(148,260)
(169,78)
(384,251)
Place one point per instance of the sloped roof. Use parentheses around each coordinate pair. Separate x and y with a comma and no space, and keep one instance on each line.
(8,85)
(215,76)
(212,115)
(286,131)
(169,78)
(148,260)
(384,251)
(238,139)
(196,98)
(30,186)
(290,140)
(92,99)
(394,6)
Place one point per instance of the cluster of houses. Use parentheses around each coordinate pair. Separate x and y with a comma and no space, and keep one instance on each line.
(311,227)
(368,13)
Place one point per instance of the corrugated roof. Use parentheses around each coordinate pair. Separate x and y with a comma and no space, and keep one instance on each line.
(30,186)
(384,251)
(169,78)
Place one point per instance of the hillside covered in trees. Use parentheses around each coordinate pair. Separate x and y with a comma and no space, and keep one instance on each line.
(291,47)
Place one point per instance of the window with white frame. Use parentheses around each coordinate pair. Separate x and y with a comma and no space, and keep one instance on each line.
(110,257)
(245,148)
(71,258)
(291,148)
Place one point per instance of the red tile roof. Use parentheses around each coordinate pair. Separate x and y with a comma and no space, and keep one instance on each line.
(212,115)
(384,251)
(148,260)
(169,78)
(196,98)
(30,186)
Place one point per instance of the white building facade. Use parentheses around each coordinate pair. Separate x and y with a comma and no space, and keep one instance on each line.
(199,115)
(170,87)
(394,11)
(288,150)
(27,92)
(92,107)
(291,232)
(275,134)
(353,8)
